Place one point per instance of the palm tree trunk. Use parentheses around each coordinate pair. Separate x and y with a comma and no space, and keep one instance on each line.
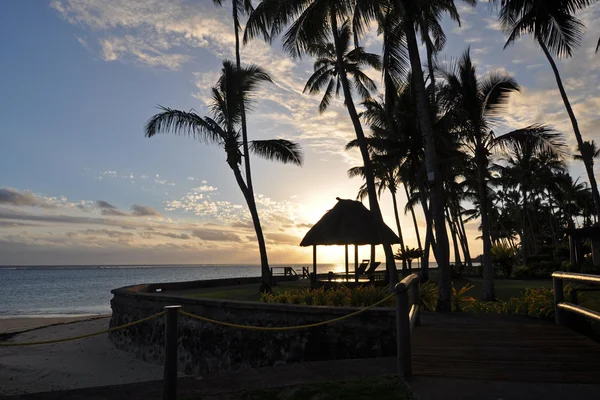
(587,161)
(265,273)
(397,216)
(362,144)
(463,238)
(457,260)
(429,48)
(414,217)
(489,291)
(524,244)
(437,195)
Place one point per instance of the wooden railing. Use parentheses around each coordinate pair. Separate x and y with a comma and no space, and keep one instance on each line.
(562,306)
(407,316)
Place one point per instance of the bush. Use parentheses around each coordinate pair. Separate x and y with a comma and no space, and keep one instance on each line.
(342,296)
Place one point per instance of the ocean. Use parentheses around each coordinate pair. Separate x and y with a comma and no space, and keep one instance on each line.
(50,291)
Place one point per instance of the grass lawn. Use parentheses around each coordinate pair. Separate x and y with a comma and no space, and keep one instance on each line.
(247,292)
(384,388)
(505,288)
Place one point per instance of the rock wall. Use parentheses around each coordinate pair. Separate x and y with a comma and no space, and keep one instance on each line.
(208,348)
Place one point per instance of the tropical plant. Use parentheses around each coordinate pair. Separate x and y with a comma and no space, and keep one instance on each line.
(475,103)
(589,151)
(232,93)
(504,256)
(408,255)
(558,32)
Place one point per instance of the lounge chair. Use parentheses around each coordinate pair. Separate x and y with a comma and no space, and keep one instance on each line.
(373,267)
(362,267)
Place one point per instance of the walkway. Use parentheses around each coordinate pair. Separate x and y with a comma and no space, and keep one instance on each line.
(503,348)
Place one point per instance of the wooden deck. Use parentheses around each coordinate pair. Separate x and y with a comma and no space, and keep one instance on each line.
(496,347)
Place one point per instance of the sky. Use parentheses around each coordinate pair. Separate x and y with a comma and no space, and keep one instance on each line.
(80,184)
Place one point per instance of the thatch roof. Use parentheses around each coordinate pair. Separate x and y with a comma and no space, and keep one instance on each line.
(349,222)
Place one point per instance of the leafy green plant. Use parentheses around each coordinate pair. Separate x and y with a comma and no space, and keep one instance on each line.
(428,294)
(460,298)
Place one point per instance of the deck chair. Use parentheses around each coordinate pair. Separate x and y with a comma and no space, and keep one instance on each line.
(362,267)
(373,267)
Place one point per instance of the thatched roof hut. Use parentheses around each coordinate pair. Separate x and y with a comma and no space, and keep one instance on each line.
(349,222)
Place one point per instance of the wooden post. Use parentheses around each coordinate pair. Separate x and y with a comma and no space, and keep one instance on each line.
(403,353)
(414,299)
(355,262)
(313,282)
(170,368)
(347,271)
(559,297)
(573,296)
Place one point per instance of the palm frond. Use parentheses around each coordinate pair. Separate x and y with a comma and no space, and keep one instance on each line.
(281,150)
(185,123)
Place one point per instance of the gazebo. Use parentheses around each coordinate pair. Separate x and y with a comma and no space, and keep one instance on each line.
(349,222)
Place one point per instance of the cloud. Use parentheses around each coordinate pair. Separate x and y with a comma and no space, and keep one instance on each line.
(150,235)
(213,235)
(105,205)
(23,198)
(144,211)
(283,238)
(105,232)
(156,31)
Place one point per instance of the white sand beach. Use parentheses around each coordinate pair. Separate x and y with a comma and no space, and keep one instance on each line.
(76,364)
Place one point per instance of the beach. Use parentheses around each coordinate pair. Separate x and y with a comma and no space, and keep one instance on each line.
(76,364)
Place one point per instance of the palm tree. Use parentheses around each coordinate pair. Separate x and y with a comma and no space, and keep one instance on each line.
(558,32)
(589,150)
(313,23)
(523,165)
(327,74)
(475,104)
(386,177)
(239,8)
(232,94)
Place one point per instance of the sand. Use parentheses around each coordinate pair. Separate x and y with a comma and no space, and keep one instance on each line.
(77,364)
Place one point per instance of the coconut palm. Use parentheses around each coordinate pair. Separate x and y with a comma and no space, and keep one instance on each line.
(475,103)
(328,75)
(238,9)
(232,94)
(386,170)
(523,163)
(589,150)
(312,23)
(558,32)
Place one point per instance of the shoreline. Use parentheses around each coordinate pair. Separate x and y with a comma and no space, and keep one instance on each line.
(14,325)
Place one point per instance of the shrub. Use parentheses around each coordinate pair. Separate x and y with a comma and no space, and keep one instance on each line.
(428,294)
(460,298)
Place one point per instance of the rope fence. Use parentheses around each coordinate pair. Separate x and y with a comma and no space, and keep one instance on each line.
(116,328)
(286,328)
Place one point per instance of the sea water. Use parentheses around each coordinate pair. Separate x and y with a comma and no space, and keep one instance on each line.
(47,291)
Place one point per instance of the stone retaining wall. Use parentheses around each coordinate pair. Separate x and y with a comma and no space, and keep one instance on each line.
(207,348)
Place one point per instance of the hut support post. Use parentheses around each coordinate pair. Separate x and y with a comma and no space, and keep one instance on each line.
(347,271)
(356,262)
(313,278)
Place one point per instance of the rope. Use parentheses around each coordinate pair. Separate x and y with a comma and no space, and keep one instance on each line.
(285,328)
(116,328)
